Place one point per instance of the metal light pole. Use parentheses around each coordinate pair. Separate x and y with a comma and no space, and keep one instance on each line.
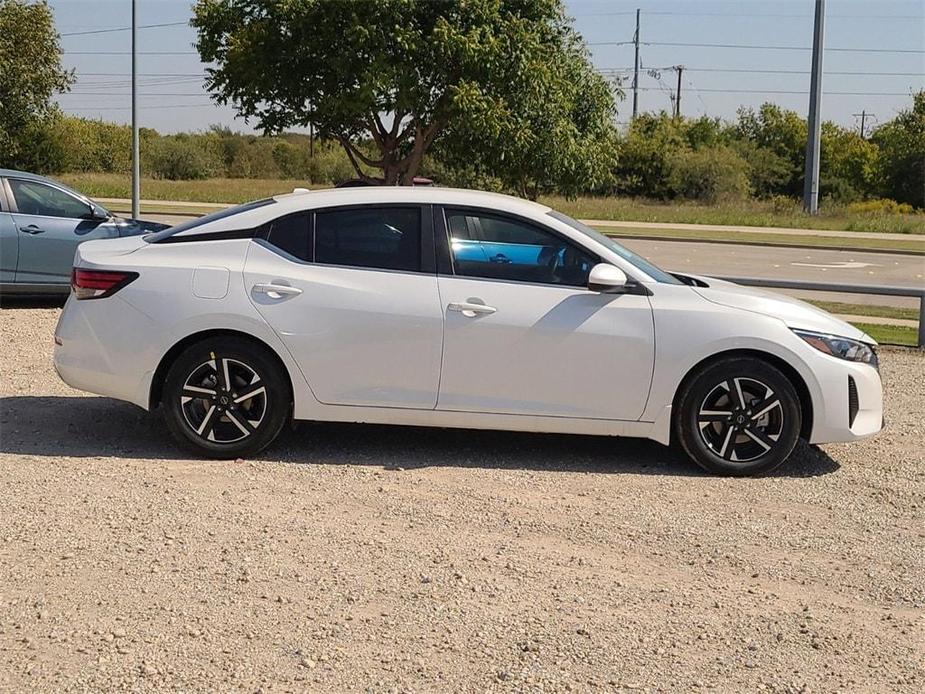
(636,69)
(136,169)
(814,134)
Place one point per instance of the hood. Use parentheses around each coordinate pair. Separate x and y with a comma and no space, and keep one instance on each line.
(133,227)
(793,312)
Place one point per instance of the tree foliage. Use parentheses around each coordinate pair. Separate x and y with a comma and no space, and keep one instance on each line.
(30,73)
(507,77)
(901,145)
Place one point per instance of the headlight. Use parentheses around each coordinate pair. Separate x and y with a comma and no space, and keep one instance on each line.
(841,347)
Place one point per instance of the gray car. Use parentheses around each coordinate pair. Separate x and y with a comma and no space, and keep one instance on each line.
(41,224)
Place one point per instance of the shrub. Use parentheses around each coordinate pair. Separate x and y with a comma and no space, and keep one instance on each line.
(182,157)
(880,206)
(709,174)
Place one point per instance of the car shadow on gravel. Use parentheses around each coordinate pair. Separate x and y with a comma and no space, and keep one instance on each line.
(103,427)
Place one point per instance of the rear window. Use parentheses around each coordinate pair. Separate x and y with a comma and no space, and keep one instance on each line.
(213,217)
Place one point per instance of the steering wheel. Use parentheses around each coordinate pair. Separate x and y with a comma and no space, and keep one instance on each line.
(550,256)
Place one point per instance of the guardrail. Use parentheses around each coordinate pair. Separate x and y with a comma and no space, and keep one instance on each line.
(915,292)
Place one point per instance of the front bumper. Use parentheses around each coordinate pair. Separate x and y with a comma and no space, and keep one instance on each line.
(852,402)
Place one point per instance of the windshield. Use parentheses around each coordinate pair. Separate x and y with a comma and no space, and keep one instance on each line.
(637,261)
(199,221)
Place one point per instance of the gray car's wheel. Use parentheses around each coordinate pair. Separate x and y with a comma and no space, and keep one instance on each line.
(738,416)
(226,397)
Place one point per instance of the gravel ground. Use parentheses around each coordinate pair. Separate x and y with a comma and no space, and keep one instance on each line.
(400,559)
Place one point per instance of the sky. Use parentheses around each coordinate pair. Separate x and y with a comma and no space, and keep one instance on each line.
(875,57)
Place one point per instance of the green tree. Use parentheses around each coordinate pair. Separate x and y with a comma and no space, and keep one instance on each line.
(404,73)
(847,167)
(901,165)
(30,73)
(782,133)
(645,154)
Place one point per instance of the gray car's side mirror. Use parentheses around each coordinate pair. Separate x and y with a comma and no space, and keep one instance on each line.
(607,278)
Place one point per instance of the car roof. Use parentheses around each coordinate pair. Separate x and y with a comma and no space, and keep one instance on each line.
(23,174)
(330,197)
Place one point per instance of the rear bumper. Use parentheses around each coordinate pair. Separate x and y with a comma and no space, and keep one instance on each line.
(114,366)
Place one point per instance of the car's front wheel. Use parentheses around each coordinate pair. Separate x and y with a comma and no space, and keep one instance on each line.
(226,397)
(738,416)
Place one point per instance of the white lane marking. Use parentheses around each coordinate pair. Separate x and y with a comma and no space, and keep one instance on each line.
(843,265)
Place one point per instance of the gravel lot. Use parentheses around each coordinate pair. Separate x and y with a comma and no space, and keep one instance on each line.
(380,559)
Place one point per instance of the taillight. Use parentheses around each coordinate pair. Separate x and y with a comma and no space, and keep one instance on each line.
(96,284)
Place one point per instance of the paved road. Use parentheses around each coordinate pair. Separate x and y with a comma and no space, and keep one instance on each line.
(820,265)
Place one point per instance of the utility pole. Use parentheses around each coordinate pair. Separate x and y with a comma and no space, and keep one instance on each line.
(814,133)
(136,168)
(677,99)
(636,68)
(863,115)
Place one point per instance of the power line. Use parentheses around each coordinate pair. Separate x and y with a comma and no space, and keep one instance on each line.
(129,52)
(108,31)
(129,108)
(759,47)
(773,72)
(142,74)
(749,15)
(783,91)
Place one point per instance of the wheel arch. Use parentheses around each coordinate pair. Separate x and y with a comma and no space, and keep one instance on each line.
(157,381)
(792,375)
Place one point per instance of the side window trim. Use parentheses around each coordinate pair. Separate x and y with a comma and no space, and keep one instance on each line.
(446,264)
(14,206)
(4,196)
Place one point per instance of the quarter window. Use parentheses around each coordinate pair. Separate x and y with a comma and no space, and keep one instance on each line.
(509,249)
(43,200)
(290,234)
(387,238)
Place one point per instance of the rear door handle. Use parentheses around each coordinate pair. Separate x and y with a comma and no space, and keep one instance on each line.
(277,291)
(470,310)
(31,229)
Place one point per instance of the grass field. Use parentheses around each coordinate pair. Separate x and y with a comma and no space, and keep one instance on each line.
(750,213)
(889,334)
(747,213)
(867,310)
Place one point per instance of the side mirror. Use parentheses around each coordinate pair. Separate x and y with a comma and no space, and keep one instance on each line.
(607,278)
(97,213)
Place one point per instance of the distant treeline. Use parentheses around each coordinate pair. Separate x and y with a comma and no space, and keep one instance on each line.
(760,154)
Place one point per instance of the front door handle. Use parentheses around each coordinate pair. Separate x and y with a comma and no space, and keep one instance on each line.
(470,310)
(277,291)
(31,229)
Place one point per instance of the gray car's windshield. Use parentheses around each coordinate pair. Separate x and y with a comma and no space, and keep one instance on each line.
(637,261)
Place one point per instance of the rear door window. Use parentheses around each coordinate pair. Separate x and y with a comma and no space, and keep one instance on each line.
(384,238)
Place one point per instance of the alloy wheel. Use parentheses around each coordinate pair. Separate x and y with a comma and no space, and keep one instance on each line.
(223,400)
(741,419)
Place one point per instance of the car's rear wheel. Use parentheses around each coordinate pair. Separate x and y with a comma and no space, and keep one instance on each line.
(226,397)
(738,416)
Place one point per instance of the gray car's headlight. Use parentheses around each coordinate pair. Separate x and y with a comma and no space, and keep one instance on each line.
(841,347)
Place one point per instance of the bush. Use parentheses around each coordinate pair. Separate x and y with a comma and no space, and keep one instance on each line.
(182,157)
(709,174)
(881,206)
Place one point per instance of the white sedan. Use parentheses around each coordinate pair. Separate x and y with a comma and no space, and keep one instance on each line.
(451,308)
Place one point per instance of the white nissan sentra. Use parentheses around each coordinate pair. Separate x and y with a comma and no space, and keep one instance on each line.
(451,308)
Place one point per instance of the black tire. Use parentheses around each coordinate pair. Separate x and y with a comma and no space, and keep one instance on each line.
(738,416)
(216,419)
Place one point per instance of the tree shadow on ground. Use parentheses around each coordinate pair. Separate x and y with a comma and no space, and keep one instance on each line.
(103,427)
